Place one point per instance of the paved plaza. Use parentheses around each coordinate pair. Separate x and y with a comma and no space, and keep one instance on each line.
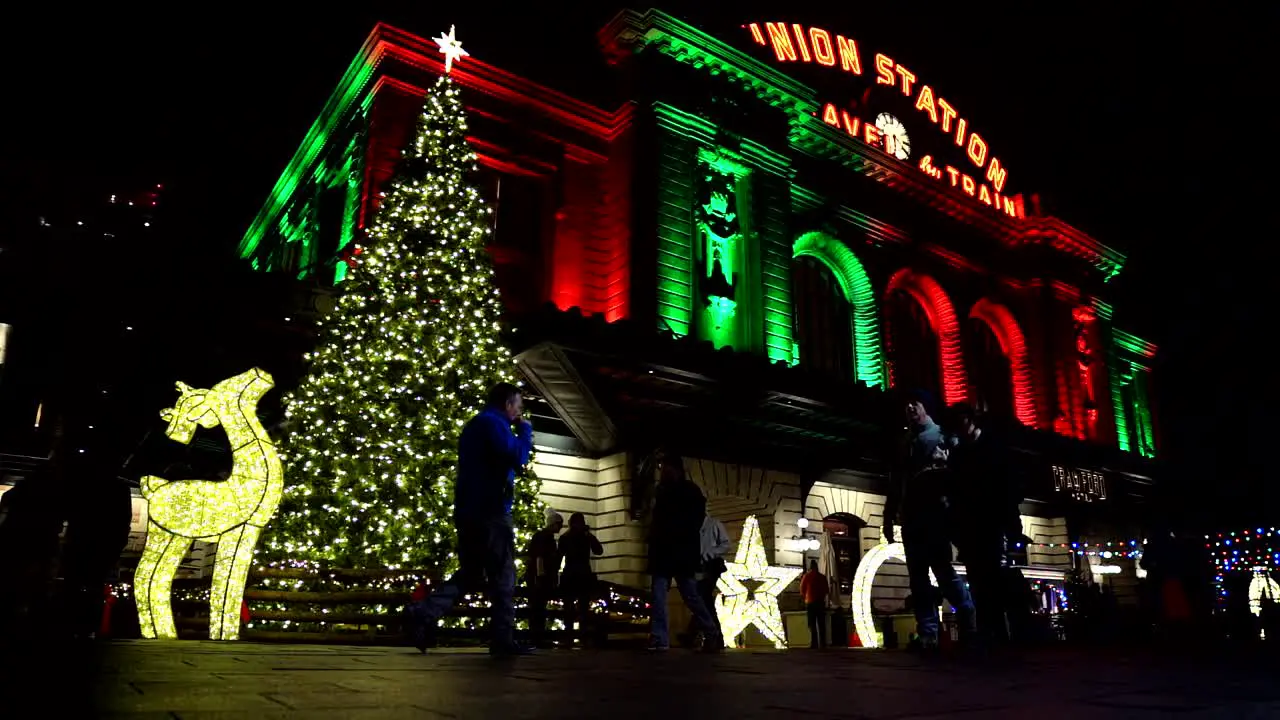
(189,680)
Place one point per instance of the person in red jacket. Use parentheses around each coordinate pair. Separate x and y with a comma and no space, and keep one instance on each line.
(814,590)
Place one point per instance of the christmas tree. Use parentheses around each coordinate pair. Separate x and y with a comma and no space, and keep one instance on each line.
(403,362)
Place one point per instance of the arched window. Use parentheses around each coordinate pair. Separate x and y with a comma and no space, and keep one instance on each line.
(924,337)
(1000,373)
(855,287)
(912,345)
(823,325)
(990,379)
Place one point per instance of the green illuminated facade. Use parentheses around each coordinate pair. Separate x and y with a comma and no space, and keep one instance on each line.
(1131,393)
(318,198)
(861,297)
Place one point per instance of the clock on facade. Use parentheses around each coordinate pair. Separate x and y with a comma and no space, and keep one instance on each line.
(896,142)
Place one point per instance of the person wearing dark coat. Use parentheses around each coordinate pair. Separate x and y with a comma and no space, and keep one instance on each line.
(675,551)
(578,583)
(100,518)
(542,574)
(30,521)
(984,521)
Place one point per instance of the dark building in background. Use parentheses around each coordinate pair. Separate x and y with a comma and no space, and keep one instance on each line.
(104,307)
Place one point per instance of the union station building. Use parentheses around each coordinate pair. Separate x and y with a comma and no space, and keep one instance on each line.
(736,264)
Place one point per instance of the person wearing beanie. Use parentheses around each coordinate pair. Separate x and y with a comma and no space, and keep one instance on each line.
(917,501)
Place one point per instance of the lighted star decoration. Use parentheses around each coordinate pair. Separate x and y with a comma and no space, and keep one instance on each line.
(739,607)
(451,48)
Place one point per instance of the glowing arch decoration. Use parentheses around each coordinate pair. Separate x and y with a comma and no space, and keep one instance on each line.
(848,270)
(863,621)
(230,512)
(1262,586)
(942,318)
(738,607)
(1014,346)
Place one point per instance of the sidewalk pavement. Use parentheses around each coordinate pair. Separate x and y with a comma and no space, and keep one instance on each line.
(198,680)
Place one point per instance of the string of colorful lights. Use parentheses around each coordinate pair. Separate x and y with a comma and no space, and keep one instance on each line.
(1235,549)
(1244,550)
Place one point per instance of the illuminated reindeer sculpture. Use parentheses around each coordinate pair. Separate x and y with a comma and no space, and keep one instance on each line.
(231,512)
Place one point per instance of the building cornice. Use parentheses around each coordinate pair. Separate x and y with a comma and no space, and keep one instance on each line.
(481,76)
(1134,348)
(387,42)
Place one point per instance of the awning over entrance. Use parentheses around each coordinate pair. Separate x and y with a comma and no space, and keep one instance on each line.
(615,387)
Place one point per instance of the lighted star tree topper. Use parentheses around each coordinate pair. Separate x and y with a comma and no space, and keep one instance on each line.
(401,364)
(230,512)
(738,607)
(452,49)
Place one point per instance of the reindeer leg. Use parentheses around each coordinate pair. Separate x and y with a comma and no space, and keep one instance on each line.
(153,580)
(230,573)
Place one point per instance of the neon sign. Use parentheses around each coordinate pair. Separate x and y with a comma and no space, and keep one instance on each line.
(793,42)
(1082,485)
(874,135)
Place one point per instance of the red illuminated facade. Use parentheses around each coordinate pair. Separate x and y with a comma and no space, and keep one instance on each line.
(865,240)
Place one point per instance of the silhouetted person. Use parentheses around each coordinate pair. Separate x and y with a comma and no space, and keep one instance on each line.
(674,551)
(985,522)
(100,517)
(1269,618)
(813,591)
(917,500)
(493,446)
(1242,624)
(1175,573)
(542,572)
(578,583)
(30,521)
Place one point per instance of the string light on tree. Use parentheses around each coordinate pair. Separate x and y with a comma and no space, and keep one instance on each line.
(402,362)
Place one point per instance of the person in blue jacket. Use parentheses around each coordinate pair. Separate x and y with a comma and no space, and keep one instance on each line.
(917,500)
(493,446)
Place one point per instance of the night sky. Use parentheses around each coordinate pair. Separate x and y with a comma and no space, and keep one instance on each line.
(1141,127)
